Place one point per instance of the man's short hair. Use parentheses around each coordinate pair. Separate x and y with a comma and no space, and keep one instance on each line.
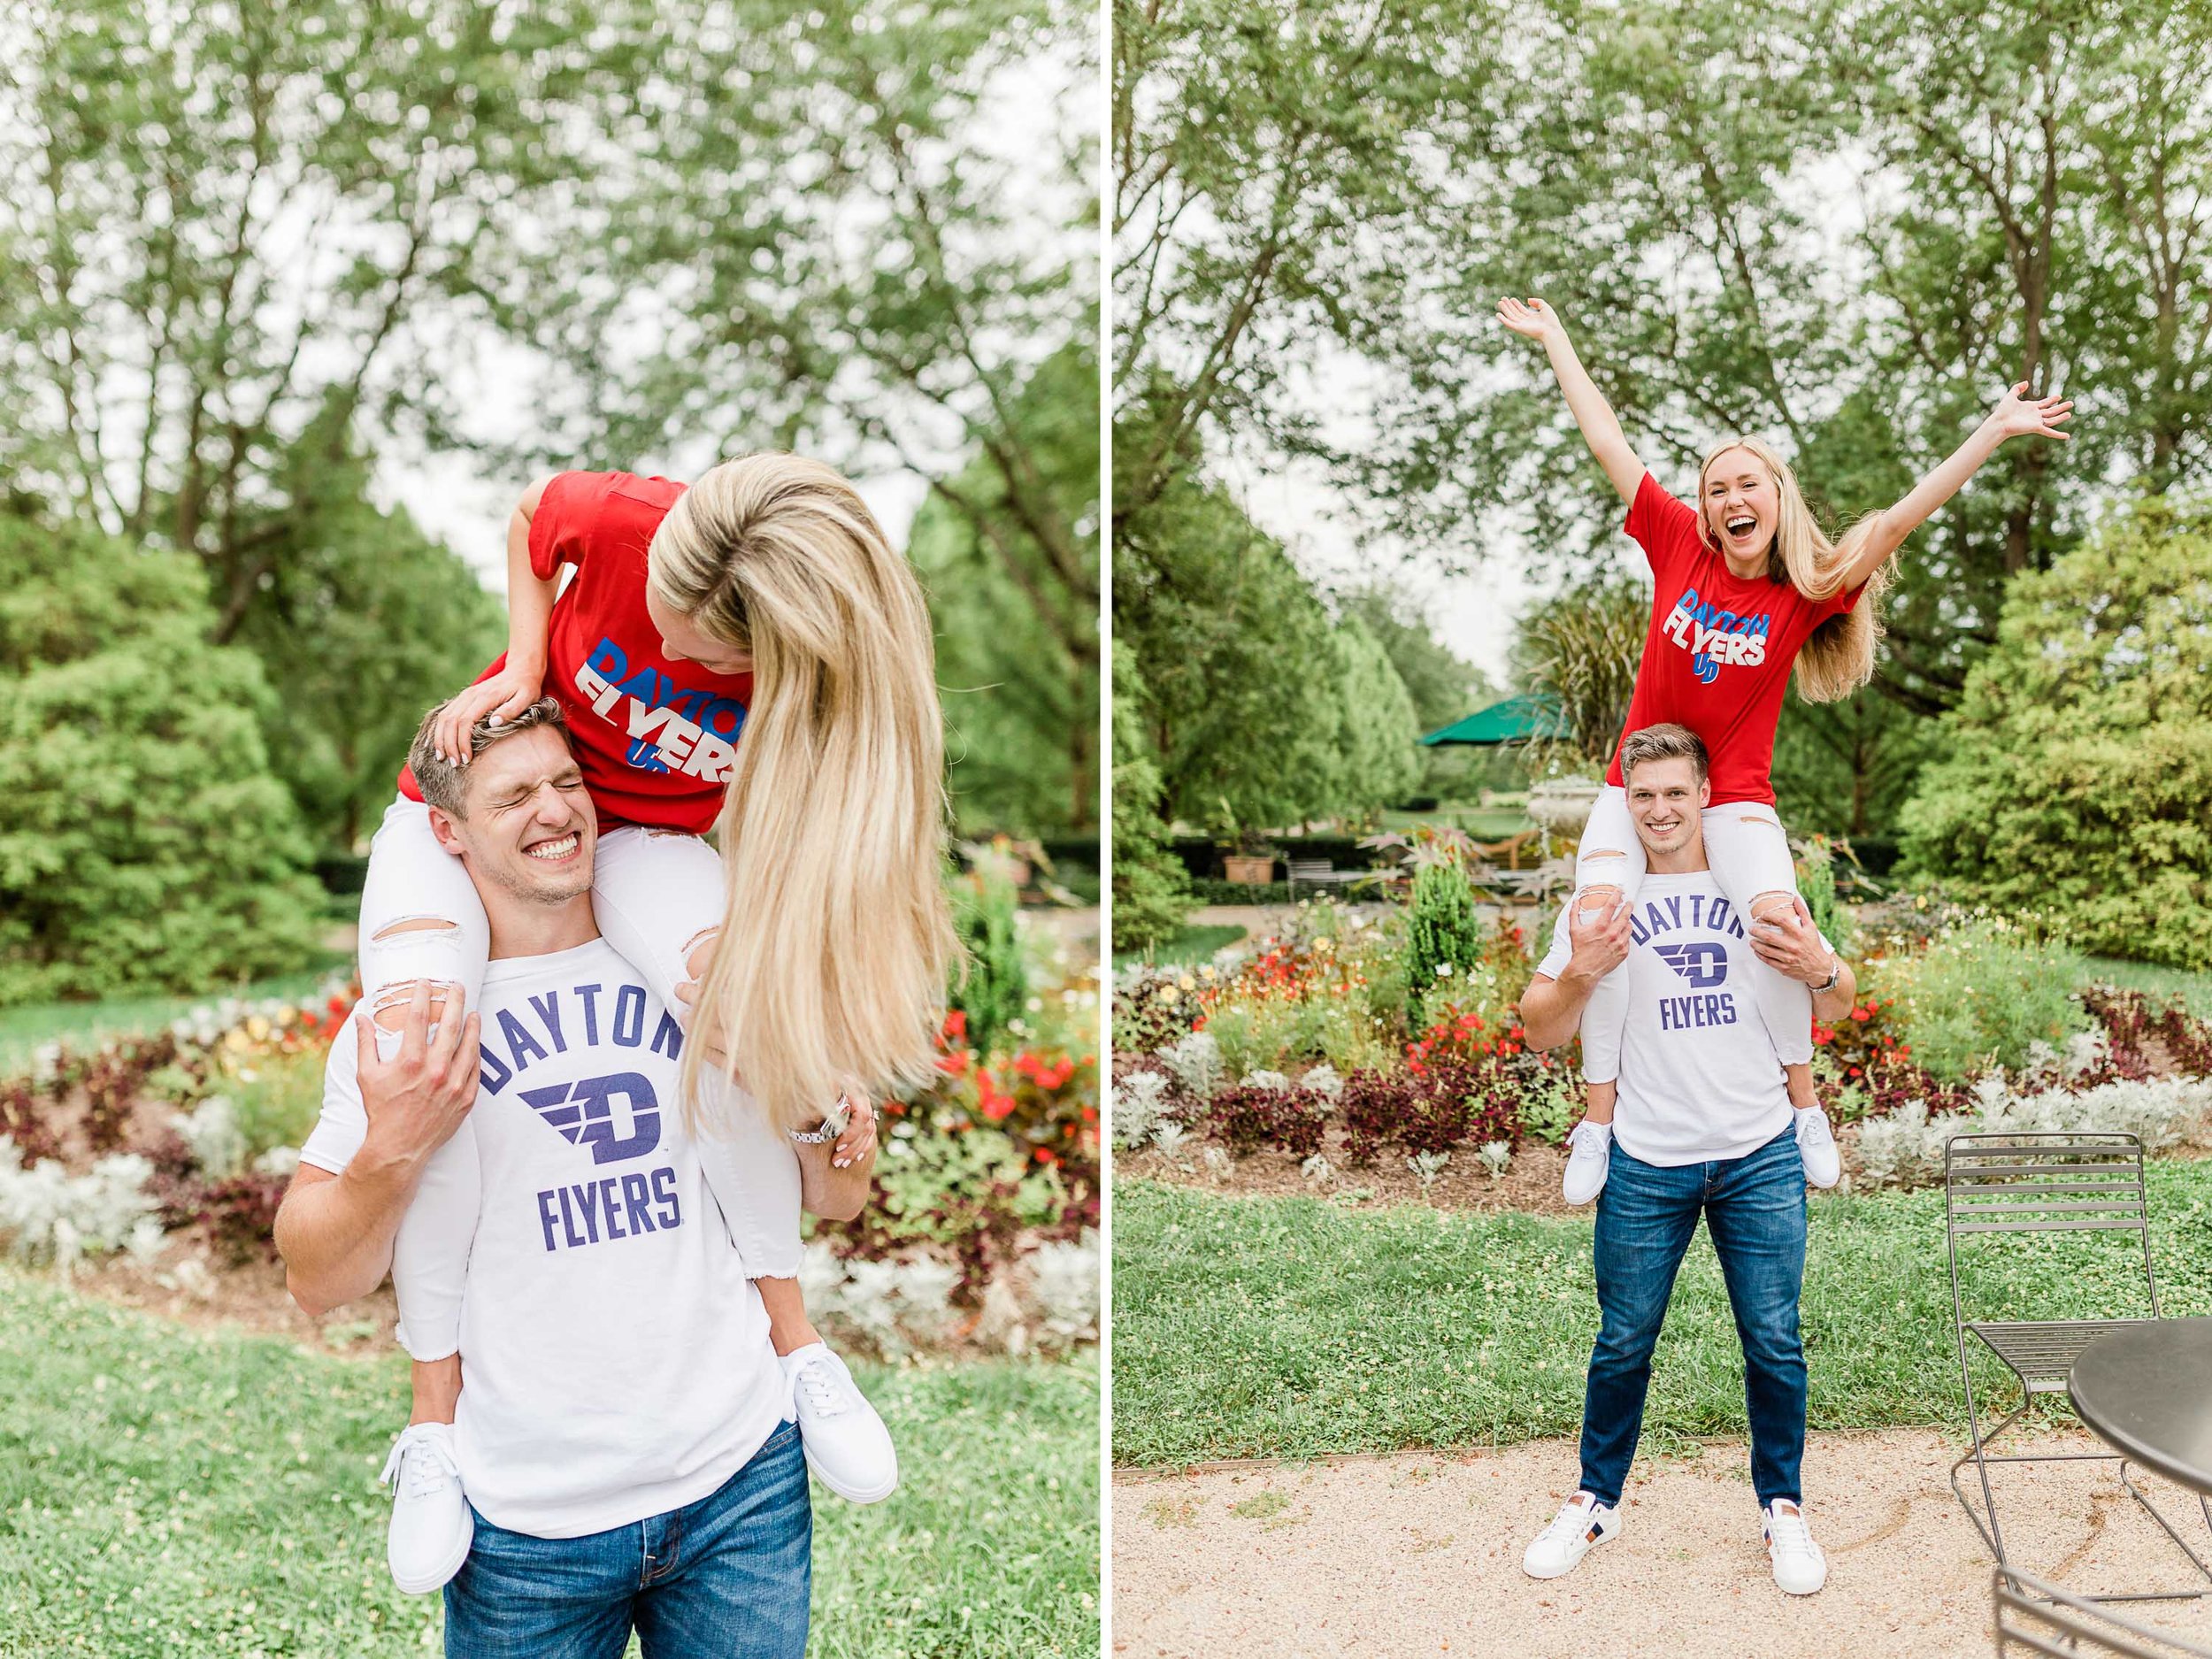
(442,783)
(1664,742)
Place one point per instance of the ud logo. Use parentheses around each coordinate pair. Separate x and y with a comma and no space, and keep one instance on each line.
(585,1114)
(1703,965)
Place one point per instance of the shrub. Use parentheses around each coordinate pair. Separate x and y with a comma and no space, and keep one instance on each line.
(1907,1149)
(1444,935)
(1431,1110)
(146,845)
(1981,995)
(1250,1116)
(986,910)
(1816,881)
(2073,775)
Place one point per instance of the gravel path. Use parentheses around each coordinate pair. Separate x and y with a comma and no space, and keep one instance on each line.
(1420,1554)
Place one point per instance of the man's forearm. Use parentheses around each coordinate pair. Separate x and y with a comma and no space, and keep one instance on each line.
(335,1233)
(1551,1011)
(826,1191)
(1833,1004)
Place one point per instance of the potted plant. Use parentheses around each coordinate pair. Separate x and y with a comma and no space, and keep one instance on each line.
(1248,858)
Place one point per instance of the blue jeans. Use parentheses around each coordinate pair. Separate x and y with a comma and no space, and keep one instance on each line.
(1754,1209)
(730,1574)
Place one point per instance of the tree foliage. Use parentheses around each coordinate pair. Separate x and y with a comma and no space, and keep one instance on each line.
(146,845)
(1017,647)
(1844,226)
(1151,888)
(2073,776)
(1257,699)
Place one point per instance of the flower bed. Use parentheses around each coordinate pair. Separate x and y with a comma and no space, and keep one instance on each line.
(980,1225)
(1302,1051)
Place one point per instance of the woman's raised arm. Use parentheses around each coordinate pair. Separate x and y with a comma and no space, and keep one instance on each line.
(1600,427)
(529,618)
(2016,416)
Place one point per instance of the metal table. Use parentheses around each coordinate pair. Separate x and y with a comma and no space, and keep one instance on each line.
(2147,1391)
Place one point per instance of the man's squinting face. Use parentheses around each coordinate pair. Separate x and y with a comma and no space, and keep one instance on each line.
(1741,504)
(681,643)
(1665,798)
(530,828)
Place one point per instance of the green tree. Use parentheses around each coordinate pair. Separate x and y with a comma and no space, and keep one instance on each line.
(1017,648)
(146,846)
(1151,888)
(1442,686)
(1377,762)
(2073,776)
(366,623)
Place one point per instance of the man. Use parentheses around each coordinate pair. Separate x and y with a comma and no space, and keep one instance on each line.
(621,1433)
(1703,1125)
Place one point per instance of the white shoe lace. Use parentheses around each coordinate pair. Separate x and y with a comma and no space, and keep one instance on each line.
(826,1393)
(1812,1129)
(1589,1140)
(1571,1523)
(423,1464)
(1788,1533)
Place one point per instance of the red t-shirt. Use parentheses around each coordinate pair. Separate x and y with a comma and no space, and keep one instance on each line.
(1718,653)
(655,738)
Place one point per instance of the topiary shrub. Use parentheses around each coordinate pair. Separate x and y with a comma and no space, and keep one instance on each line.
(145,846)
(985,914)
(1444,935)
(2073,776)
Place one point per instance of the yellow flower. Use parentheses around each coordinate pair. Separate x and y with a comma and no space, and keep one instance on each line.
(1168,994)
(258,1028)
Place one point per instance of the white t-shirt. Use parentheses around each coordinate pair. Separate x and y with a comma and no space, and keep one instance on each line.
(1699,1079)
(615,1358)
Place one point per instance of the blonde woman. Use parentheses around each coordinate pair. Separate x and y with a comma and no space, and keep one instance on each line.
(1747,588)
(808,956)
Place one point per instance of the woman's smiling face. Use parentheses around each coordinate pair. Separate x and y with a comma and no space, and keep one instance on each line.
(1741,506)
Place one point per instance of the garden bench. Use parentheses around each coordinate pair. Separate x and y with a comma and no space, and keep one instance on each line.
(1318,872)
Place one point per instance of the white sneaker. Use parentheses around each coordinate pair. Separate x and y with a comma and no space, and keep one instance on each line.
(1800,1568)
(845,1442)
(1580,1526)
(1589,1155)
(432,1528)
(1816,1145)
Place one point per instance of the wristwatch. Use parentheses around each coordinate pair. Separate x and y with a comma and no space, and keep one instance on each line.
(1835,973)
(832,1126)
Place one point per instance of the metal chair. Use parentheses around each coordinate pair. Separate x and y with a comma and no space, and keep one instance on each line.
(2047,1183)
(2033,1616)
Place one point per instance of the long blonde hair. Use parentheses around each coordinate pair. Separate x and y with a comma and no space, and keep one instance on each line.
(830,971)
(1838,658)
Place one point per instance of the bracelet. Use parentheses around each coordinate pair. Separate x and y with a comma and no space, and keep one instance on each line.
(832,1126)
(1835,974)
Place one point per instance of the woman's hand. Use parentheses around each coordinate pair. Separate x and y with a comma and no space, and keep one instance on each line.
(1531,317)
(2019,416)
(505,694)
(858,1140)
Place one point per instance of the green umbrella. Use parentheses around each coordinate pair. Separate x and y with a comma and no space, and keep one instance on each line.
(1516,720)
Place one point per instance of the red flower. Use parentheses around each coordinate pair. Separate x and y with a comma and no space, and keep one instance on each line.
(957,1022)
(337,1004)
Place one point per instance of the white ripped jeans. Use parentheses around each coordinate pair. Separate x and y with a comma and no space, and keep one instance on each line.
(657,897)
(1749,854)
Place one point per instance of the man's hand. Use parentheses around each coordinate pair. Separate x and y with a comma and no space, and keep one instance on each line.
(1597,945)
(1792,945)
(417,1098)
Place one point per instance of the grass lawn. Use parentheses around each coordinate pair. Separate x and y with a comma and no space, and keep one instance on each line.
(1291,1327)
(1192,944)
(24,1027)
(2161,982)
(168,1491)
